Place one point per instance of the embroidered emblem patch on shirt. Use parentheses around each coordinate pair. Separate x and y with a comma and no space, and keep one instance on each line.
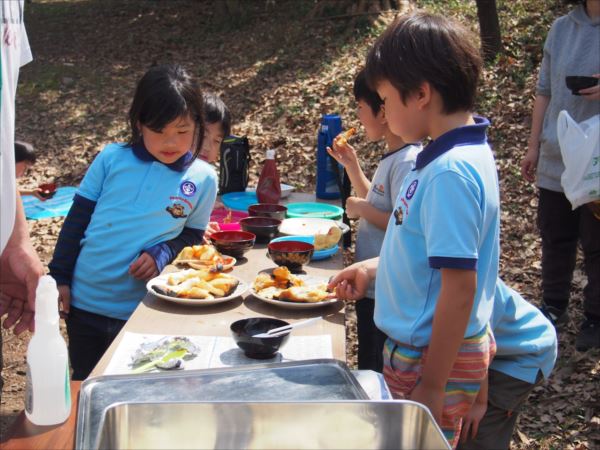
(379,189)
(411,189)
(398,215)
(177,211)
(188,188)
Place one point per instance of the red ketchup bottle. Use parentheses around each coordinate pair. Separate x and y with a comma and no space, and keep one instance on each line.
(268,189)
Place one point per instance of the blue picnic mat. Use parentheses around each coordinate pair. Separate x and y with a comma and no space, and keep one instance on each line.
(57,206)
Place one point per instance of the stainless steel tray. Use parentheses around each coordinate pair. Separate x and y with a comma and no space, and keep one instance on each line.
(319,379)
(355,424)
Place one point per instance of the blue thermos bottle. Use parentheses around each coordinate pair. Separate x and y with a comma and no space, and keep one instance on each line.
(328,170)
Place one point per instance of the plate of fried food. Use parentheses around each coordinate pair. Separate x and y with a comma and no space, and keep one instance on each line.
(280,287)
(204,257)
(196,287)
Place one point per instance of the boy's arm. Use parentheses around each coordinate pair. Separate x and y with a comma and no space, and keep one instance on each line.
(356,207)
(68,245)
(450,320)
(346,156)
(165,252)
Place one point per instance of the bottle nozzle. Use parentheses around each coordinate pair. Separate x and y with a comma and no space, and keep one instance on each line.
(46,299)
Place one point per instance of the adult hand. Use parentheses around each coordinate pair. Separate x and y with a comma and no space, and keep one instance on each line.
(20,271)
(353,207)
(143,268)
(64,299)
(529,163)
(212,227)
(351,283)
(472,420)
(592,93)
(432,398)
(344,154)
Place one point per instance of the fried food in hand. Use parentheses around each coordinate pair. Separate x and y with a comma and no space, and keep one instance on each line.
(342,138)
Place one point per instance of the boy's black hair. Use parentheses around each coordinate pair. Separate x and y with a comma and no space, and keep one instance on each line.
(24,152)
(427,47)
(215,111)
(163,94)
(362,91)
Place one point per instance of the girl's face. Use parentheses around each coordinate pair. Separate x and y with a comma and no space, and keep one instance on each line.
(172,142)
(211,145)
(375,124)
(21,168)
(406,120)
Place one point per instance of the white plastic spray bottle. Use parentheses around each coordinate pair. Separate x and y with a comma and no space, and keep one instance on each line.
(48,393)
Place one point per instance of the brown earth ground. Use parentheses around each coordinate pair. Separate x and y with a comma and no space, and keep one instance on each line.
(278,71)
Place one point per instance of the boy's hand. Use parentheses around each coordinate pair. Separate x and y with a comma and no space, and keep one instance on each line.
(351,283)
(212,227)
(433,398)
(592,93)
(344,154)
(64,299)
(471,421)
(529,163)
(143,268)
(354,207)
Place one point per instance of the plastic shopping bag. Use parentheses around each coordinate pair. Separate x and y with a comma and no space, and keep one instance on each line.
(580,149)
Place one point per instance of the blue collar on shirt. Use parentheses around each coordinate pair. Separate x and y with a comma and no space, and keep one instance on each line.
(139,150)
(467,135)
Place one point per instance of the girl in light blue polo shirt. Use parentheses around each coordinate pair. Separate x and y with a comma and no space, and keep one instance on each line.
(138,205)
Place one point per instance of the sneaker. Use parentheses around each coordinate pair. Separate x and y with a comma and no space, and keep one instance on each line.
(589,336)
(556,316)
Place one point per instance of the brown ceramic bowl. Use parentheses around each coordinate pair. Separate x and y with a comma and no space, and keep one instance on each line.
(272,210)
(233,243)
(292,254)
(265,228)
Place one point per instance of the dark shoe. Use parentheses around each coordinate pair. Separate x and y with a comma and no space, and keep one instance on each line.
(589,336)
(556,316)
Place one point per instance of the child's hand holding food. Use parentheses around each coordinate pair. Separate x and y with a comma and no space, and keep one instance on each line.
(343,152)
(143,268)
(211,228)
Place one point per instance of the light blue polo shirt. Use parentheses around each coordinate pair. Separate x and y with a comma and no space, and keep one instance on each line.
(525,339)
(446,216)
(140,202)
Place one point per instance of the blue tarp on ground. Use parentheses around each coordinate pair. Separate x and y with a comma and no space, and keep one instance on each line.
(57,206)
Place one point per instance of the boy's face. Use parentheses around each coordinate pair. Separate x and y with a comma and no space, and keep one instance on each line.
(375,124)
(404,120)
(172,142)
(211,145)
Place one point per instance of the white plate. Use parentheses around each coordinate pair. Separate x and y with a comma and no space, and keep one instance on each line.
(309,226)
(309,281)
(162,280)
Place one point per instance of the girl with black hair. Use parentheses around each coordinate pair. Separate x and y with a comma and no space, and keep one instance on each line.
(138,205)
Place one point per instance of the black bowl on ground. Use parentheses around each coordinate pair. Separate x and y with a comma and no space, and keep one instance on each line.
(258,348)
(265,228)
(575,83)
(47,190)
(272,210)
(292,254)
(233,243)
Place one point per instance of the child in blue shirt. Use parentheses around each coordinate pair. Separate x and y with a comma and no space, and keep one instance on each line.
(373,205)
(138,205)
(526,353)
(436,275)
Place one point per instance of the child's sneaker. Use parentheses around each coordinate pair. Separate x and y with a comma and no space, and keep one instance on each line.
(556,316)
(589,336)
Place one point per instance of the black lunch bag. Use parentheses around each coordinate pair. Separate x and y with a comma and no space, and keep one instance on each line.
(234,164)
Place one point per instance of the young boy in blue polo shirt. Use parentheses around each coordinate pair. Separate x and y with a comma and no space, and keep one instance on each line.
(436,275)
(373,205)
(526,353)
(138,205)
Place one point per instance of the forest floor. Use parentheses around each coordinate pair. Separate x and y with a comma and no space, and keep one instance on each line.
(279,71)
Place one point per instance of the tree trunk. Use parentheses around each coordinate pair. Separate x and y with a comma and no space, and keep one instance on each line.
(489,28)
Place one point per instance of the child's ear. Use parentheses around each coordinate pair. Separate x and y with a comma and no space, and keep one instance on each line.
(381,116)
(423,95)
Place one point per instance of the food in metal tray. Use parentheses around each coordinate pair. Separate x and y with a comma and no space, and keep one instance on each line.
(282,285)
(204,256)
(198,284)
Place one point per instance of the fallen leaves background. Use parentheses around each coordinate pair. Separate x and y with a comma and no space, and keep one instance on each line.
(278,72)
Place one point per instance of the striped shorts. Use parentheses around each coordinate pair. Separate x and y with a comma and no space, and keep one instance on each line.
(403,366)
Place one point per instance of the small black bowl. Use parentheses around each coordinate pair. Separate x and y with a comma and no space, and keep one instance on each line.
(575,83)
(265,228)
(272,210)
(292,254)
(233,243)
(258,348)
(47,190)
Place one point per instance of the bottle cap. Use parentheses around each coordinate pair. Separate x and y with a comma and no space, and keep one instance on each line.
(270,154)
(46,299)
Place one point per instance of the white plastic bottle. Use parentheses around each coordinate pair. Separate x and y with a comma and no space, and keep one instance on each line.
(48,393)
